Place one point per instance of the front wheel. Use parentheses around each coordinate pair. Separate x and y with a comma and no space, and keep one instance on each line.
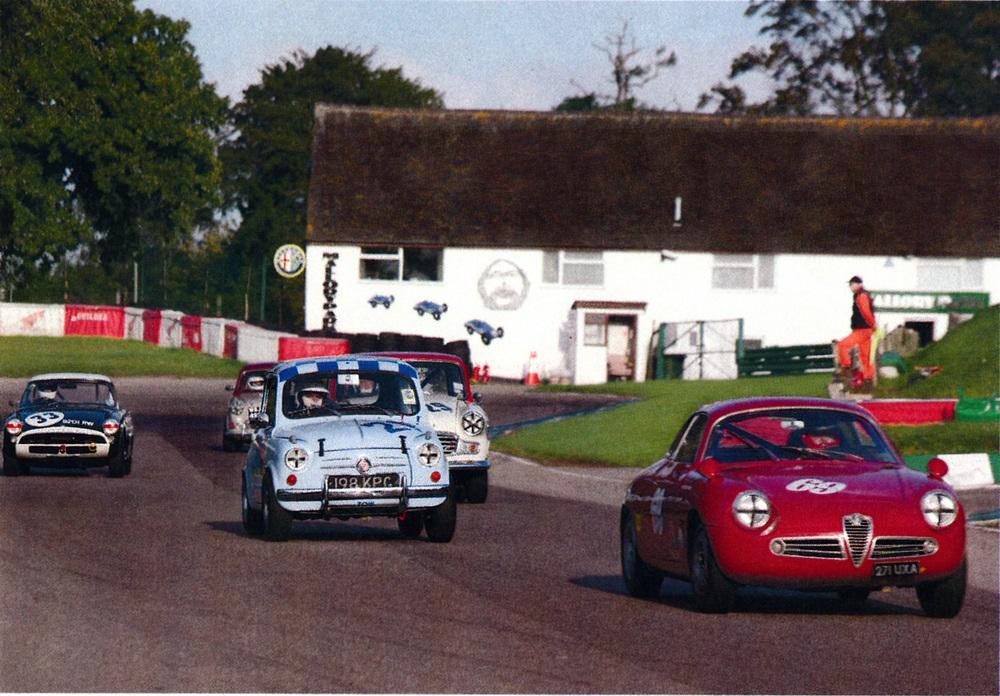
(440,521)
(499,332)
(411,524)
(420,312)
(229,444)
(12,466)
(943,599)
(276,520)
(253,522)
(640,580)
(713,592)
(117,465)
(477,487)
(437,316)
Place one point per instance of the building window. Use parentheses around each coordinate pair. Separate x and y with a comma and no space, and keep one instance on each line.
(400,263)
(595,329)
(573,267)
(949,274)
(742,271)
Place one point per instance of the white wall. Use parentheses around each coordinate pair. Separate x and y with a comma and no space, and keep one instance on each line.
(809,303)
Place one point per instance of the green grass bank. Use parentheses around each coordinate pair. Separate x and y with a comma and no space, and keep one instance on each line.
(24,356)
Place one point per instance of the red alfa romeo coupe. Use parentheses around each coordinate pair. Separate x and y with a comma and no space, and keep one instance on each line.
(797,493)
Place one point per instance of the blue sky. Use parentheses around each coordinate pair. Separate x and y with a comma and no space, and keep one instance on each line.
(490,55)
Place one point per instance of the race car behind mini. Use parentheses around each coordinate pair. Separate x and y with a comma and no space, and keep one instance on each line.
(460,421)
(68,419)
(244,403)
(343,438)
(807,494)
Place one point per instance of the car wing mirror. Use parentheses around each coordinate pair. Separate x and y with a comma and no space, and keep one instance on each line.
(710,467)
(12,403)
(260,420)
(477,397)
(230,387)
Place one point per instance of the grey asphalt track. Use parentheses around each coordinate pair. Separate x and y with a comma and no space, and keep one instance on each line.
(148,584)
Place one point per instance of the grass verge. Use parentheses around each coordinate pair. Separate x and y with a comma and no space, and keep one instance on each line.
(24,356)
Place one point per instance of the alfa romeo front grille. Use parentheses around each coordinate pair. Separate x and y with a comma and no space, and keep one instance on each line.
(809,547)
(902,547)
(858,530)
(449,441)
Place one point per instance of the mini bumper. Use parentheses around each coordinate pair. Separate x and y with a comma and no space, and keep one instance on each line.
(360,501)
(455,464)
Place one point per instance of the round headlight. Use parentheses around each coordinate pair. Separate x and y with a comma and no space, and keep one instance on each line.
(474,422)
(939,508)
(429,454)
(14,427)
(752,509)
(296,458)
(111,427)
(236,406)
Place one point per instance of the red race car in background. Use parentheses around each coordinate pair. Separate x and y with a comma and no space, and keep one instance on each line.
(244,403)
(798,493)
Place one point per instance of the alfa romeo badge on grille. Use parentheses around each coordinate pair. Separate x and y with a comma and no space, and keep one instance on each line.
(363,466)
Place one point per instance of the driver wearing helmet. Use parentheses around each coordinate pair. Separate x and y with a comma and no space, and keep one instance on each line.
(313,396)
(46,392)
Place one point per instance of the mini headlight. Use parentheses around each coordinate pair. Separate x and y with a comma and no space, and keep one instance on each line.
(14,427)
(236,406)
(296,458)
(752,509)
(111,427)
(474,422)
(429,454)
(939,509)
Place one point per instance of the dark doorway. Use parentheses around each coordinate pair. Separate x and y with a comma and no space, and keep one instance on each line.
(924,329)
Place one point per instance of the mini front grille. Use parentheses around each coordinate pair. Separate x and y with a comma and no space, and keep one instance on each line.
(809,547)
(858,530)
(61,438)
(902,547)
(449,441)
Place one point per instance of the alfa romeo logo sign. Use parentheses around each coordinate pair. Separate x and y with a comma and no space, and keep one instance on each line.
(289,260)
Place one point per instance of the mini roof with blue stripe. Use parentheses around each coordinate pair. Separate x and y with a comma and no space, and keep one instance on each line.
(304,367)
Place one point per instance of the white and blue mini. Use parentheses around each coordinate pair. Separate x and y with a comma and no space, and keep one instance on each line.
(346,437)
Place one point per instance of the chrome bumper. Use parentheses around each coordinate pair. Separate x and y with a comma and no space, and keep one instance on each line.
(478,465)
(361,501)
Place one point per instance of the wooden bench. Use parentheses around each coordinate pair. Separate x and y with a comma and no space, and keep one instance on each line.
(786,360)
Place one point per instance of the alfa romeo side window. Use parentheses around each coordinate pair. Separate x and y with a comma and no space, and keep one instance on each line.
(688,446)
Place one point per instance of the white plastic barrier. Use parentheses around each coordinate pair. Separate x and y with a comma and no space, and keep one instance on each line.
(17,319)
(213,335)
(257,345)
(171,331)
(133,323)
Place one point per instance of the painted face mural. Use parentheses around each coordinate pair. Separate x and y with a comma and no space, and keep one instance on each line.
(503,286)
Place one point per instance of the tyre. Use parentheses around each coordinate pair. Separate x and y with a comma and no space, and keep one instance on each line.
(713,591)
(440,521)
(253,521)
(411,524)
(444,307)
(229,444)
(943,599)
(374,304)
(640,580)
(12,466)
(477,487)
(276,521)
(499,332)
(437,316)
(470,331)
(420,312)
(385,304)
(117,465)
(486,339)
(389,340)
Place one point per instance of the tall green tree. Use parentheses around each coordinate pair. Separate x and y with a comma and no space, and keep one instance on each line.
(267,160)
(871,59)
(107,133)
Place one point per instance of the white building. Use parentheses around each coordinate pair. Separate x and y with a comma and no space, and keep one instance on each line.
(539,224)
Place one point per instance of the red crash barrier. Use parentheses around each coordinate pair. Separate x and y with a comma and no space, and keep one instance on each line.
(94,320)
(231,341)
(290,347)
(911,411)
(191,332)
(151,319)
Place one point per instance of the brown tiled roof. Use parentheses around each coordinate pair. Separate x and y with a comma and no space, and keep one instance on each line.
(928,187)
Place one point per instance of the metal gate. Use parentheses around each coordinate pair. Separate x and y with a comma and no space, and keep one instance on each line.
(699,349)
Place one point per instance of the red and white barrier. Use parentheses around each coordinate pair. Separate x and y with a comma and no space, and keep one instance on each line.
(94,320)
(191,332)
(24,319)
(290,347)
(231,341)
(151,326)
(134,323)
(171,331)
(213,334)
(257,345)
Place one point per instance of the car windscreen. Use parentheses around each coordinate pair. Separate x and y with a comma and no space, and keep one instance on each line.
(351,392)
(56,392)
(440,377)
(797,433)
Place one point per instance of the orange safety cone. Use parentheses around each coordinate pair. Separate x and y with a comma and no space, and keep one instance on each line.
(531,378)
(484,374)
(475,373)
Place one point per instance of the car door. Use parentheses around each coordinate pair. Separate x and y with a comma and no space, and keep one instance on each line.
(260,443)
(675,483)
